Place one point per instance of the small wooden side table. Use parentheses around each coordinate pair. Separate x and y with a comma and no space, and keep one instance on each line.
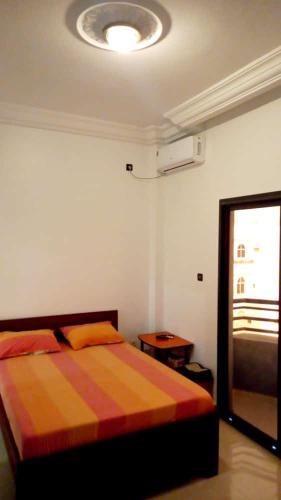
(163,346)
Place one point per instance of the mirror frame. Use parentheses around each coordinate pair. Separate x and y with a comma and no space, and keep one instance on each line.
(226,206)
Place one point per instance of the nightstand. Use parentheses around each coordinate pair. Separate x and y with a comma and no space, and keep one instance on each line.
(162,348)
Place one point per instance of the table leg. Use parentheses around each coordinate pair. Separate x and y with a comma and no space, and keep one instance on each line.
(142,349)
(161,355)
(157,354)
(187,353)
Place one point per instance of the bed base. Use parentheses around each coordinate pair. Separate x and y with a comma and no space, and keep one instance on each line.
(131,466)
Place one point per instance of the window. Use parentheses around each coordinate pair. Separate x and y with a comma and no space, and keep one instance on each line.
(241,250)
(240,285)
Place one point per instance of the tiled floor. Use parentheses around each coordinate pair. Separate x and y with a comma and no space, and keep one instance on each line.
(247,472)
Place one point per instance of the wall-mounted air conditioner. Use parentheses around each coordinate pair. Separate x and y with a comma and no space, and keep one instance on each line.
(181,154)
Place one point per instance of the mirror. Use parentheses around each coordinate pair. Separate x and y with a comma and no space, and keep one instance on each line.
(254,315)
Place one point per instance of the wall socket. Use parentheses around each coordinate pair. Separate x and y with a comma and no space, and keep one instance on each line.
(129,167)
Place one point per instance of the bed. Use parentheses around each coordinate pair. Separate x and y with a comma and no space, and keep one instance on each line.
(103,421)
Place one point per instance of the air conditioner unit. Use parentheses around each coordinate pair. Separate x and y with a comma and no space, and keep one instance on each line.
(181,154)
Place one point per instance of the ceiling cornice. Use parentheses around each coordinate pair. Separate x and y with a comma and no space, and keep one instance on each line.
(256,78)
(16,114)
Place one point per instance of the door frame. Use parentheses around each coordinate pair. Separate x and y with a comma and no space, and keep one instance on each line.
(226,206)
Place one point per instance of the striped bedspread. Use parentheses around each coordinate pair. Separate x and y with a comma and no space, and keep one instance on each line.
(66,399)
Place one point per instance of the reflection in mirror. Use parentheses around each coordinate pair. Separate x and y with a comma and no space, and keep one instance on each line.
(254,316)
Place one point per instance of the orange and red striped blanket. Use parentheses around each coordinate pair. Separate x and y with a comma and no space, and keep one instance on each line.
(66,399)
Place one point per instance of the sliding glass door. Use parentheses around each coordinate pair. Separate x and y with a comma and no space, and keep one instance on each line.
(248,316)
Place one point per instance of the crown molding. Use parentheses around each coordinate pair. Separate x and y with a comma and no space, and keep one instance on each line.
(256,78)
(250,81)
(152,134)
(160,134)
(16,114)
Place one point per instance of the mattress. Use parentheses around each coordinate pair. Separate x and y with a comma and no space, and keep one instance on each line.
(62,400)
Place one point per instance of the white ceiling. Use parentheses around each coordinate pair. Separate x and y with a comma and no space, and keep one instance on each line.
(44,65)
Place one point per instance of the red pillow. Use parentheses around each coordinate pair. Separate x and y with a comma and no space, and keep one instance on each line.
(27,342)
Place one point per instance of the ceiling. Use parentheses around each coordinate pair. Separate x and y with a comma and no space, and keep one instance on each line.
(44,64)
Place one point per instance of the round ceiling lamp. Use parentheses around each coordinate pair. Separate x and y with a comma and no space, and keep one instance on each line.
(119,26)
(122,38)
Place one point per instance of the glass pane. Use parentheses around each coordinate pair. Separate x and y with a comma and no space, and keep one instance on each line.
(254,311)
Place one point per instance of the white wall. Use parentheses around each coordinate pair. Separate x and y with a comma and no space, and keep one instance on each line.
(243,157)
(78,233)
(75,227)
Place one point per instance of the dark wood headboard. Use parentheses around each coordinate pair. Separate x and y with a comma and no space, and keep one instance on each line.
(54,322)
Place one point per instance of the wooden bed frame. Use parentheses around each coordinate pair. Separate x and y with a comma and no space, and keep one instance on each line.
(132,466)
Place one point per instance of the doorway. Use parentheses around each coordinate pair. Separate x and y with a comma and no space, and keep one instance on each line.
(248,316)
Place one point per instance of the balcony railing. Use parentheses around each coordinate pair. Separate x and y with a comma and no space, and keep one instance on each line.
(256,316)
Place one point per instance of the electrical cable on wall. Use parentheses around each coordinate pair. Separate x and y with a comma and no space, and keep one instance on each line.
(145,178)
(129,168)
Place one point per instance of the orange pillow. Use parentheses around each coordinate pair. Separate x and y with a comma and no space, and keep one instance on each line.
(27,342)
(80,336)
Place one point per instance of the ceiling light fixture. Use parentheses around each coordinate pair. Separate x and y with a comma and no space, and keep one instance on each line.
(122,38)
(119,26)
